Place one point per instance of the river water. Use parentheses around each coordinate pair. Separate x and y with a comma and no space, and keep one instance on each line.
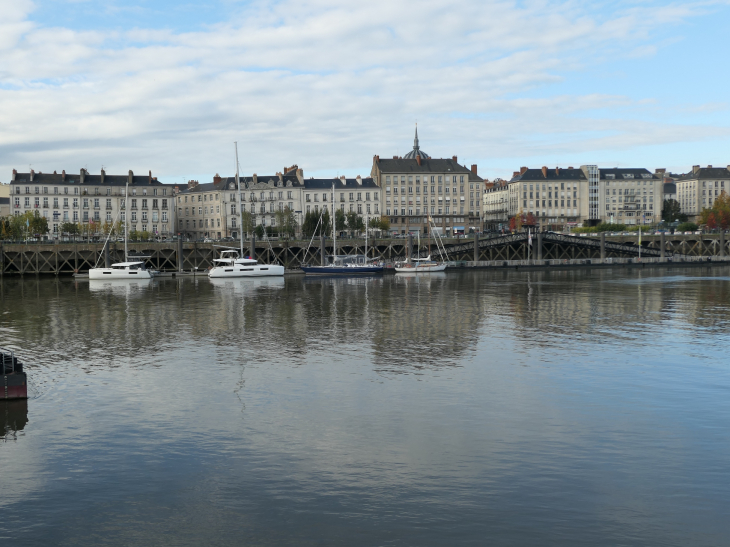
(470,408)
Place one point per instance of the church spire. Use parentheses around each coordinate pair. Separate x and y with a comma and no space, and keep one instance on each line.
(415,141)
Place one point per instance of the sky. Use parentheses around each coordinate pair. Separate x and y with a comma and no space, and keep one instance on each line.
(168,86)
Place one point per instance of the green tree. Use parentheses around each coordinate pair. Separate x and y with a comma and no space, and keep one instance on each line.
(312,222)
(259,231)
(340,220)
(133,235)
(355,222)
(69,228)
(38,224)
(687,227)
(672,211)
(145,235)
(286,222)
(248,223)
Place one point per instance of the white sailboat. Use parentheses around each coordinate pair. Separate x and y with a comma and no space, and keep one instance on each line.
(129,269)
(421,265)
(233,264)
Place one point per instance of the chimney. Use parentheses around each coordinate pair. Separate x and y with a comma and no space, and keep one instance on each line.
(15,174)
(300,175)
(32,174)
(192,184)
(149,177)
(418,159)
(281,177)
(395,157)
(523,170)
(557,171)
(343,179)
(709,166)
(82,176)
(63,175)
(474,168)
(544,171)
(154,179)
(217,179)
(130,177)
(660,171)
(103,174)
(695,169)
(570,167)
(254,178)
(454,158)
(515,174)
(359,180)
(377,159)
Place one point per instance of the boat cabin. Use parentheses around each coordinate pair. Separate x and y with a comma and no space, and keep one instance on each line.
(128,266)
(347,260)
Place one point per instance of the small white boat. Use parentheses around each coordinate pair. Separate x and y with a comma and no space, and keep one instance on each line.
(230,265)
(420,265)
(122,270)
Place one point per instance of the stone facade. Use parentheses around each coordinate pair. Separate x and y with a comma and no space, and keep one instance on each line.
(700,187)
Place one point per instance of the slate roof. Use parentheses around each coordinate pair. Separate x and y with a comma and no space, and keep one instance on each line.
(619,172)
(91,180)
(349,184)
(532,175)
(430,165)
(706,173)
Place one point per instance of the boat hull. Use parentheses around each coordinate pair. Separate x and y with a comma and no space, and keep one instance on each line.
(14,386)
(110,273)
(334,270)
(236,270)
(421,269)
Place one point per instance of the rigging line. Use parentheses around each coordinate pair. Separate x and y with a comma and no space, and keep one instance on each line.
(107,238)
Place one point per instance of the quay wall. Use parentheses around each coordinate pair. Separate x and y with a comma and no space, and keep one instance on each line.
(176,256)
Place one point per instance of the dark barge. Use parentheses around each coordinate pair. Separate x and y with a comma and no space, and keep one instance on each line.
(15,382)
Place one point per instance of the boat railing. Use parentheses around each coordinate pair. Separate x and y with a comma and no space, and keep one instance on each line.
(10,363)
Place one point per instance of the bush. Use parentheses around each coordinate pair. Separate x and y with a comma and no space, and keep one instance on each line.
(687,227)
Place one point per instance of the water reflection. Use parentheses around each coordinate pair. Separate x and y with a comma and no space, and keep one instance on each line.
(13,417)
(120,287)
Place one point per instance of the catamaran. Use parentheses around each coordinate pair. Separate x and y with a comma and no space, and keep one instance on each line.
(129,269)
(345,264)
(233,264)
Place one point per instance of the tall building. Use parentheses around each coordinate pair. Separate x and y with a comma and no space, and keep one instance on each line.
(700,187)
(417,187)
(95,199)
(631,196)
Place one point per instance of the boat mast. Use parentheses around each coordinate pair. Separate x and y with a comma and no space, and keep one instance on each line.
(126,218)
(334,236)
(240,200)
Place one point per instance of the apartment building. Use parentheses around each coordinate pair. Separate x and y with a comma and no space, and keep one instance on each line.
(417,187)
(700,187)
(96,199)
(495,205)
(631,196)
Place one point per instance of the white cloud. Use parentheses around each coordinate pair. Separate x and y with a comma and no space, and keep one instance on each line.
(324,84)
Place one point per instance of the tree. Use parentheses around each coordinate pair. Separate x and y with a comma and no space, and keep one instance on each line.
(718,214)
(259,231)
(672,211)
(38,224)
(529,220)
(248,222)
(312,224)
(145,235)
(687,227)
(286,221)
(340,220)
(355,222)
(69,228)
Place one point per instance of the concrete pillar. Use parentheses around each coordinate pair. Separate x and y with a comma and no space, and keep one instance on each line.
(662,244)
(409,247)
(539,246)
(476,246)
(722,243)
(252,250)
(322,251)
(603,246)
(107,262)
(180,255)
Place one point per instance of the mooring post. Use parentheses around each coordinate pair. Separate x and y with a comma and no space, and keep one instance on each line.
(662,252)
(252,251)
(322,251)
(106,256)
(722,242)
(180,255)
(539,246)
(476,247)
(603,246)
(409,247)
